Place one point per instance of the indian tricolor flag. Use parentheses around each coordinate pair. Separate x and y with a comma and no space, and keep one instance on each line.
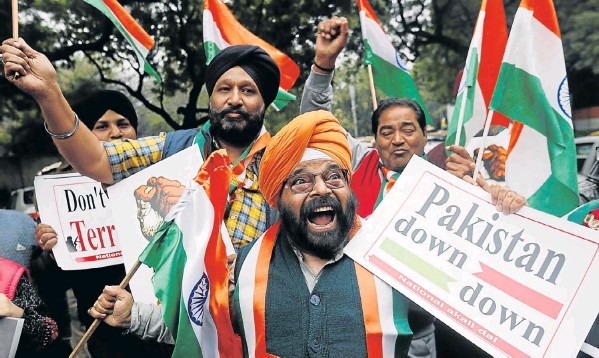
(221,30)
(134,34)
(390,74)
(480,75)
(532,88)
(189,257)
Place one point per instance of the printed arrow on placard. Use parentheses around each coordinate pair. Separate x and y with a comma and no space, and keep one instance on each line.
(417,264)
(522,293)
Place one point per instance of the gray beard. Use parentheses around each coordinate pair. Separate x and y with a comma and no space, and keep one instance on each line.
(324,245)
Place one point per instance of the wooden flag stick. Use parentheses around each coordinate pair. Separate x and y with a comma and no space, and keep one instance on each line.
(97,321)
(483,145)
(15,19)
(372,91)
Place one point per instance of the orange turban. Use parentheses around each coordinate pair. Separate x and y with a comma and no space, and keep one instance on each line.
(318,130)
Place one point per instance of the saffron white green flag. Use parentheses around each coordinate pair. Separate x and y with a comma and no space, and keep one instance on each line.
(480,75)
(221,30)
(532,88)
(134,34)
(189,257)
(390,74)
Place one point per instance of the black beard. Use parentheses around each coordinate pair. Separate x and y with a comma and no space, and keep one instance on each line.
(323,244)
(239,132)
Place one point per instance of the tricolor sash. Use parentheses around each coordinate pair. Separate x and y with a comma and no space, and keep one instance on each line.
(385,310)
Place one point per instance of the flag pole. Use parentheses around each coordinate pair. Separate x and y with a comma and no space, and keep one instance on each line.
(97,321)
(372,92)
(15,25)
(479,157)
(15,19)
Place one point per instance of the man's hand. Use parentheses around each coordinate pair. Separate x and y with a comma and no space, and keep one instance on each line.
(8,308)
(114,307)
(505,199)
(29,70)
(459,163)
(330,41)
(45,237)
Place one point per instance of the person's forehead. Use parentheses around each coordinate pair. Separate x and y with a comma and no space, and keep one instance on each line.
(111,115)
(399,115)
(237,75)
(314,166)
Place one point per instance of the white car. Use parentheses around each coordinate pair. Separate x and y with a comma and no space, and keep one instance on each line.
(23,200)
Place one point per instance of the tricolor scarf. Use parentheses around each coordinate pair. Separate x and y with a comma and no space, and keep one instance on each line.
(380,302)
(371,182)
(239,178)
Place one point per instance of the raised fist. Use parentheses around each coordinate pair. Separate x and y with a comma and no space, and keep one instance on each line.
(154,201)
(494,158)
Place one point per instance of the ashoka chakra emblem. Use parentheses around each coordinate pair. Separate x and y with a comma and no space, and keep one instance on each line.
(563,98)
(197,299)
(399,62)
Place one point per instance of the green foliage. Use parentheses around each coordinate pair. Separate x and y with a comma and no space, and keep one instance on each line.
(432,34)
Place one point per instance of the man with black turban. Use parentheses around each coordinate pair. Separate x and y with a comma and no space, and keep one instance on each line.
(242,82)
(109,114)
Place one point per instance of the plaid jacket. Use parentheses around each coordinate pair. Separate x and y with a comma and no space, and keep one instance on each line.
(249,214)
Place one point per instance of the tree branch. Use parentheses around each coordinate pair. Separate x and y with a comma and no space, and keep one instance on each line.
(97,45)
(196,75)
(135,93)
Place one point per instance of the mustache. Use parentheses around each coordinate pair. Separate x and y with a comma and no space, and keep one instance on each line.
(227,110)
(309,207)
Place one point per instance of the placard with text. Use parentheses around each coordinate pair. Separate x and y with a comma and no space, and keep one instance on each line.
(144,200)
(519,285)
(77,208)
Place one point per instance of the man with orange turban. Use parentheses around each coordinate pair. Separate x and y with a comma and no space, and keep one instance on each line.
(313,299)
(297,294)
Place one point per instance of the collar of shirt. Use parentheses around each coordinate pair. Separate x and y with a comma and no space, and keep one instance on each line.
(310,277)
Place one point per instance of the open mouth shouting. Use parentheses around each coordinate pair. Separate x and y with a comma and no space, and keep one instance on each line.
(322,218)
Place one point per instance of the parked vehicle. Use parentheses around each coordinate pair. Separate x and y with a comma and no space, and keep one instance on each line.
(585,153)
(23,200)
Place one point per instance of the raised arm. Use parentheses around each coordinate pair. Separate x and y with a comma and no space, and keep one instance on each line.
(330,41)
(32,73)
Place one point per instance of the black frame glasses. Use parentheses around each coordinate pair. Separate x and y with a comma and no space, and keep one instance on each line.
(303,183)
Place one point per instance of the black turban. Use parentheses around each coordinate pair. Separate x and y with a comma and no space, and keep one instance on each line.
(254,61)
(94,106)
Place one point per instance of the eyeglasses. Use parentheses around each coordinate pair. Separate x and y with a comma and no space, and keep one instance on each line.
(303,183)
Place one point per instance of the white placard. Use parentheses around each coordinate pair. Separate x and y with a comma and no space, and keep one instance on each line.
(78,210)
(143,201)
(520,285)
(10,335)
